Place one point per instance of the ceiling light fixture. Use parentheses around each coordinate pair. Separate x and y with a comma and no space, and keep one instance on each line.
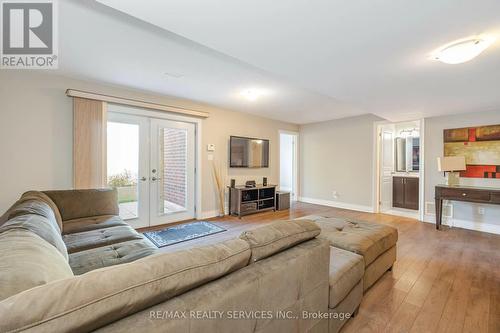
(253,94)
(174,75)
(462,50)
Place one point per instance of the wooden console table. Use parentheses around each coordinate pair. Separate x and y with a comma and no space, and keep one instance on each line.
(485,195)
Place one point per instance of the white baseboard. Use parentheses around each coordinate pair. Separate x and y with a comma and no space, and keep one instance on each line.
(210,213)
(337,204)
(207,214)
(403,213)
(464,224)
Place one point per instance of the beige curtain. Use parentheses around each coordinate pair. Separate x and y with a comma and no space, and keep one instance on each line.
(89,143)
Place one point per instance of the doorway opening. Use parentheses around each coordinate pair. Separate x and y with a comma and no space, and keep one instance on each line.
(400,173)
(151,163)
(288,163)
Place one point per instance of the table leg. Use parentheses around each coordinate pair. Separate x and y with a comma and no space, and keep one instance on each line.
(439,212)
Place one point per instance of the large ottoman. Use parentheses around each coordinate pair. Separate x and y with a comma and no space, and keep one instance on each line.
(346,287)
(375,242)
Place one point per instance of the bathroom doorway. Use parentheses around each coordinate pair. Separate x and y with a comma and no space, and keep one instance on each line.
(399,175)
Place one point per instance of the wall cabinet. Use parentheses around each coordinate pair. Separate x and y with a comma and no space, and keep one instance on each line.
(405,192)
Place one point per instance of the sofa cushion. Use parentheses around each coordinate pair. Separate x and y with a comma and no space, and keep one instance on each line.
(74,204)
(81,241)
(99,297)
(33,207)
(340,314)
(33,202)
(346,271)
(278,236)
(365,238)
(27,261)
(289,282)
(120,253)
(45,228)
(92,223)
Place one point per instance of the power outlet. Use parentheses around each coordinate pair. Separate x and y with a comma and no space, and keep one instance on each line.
(335,194)
(480,210)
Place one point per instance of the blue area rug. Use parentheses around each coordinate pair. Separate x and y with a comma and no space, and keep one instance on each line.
(182,233)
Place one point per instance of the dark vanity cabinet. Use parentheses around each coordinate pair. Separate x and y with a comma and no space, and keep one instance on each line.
(405,192)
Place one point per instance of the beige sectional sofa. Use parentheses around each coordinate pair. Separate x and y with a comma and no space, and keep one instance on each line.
(361,252)
(70,264)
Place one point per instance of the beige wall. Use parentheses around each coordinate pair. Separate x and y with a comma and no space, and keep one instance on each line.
(36,134)
(338,156)
(465,214)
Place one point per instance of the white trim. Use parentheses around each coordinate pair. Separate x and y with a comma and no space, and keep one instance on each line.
(403,213)
(198,202)
(135,103)
(421,170)
(377,129)
(337,204)
(295,186)
(198,132)
(207,215)
(289,132)
(376,165)
(464,224)
(211,213)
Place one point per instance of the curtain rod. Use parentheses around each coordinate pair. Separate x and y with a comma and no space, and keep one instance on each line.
(135,102)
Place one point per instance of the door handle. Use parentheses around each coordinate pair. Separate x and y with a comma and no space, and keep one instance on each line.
(143,179)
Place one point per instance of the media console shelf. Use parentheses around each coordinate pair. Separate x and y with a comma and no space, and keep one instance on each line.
(249,200)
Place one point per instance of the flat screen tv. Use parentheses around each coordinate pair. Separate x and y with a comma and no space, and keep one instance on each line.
(248,152)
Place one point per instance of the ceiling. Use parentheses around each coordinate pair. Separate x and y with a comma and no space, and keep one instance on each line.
(321,59)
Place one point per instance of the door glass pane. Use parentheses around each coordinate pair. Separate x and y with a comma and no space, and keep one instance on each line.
(123,165)
(173,170)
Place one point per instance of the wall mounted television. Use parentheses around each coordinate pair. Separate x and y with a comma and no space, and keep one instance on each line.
(248,152)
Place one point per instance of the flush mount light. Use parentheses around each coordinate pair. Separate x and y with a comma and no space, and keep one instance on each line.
(252,94)
(462,50)
(174,75)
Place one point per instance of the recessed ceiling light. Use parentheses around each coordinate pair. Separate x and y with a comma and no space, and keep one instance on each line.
(174,75)
(462,50)
(253,94)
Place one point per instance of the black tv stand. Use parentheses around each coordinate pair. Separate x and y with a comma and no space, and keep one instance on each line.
(250,200)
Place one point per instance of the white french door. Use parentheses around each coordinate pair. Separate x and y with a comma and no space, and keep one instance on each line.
(152,164)
(172,182)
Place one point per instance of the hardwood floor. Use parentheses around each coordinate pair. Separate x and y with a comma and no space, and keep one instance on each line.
(443,281)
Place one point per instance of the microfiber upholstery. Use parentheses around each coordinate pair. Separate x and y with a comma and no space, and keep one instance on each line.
(92,223)
(102,296)
(120,253)
(45,228)
(75,204)
(346,271)
(292,281)
(27,261)
(278,236)
(33,202)
(115,277)
(367,239)
(350,303)
(81,241)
